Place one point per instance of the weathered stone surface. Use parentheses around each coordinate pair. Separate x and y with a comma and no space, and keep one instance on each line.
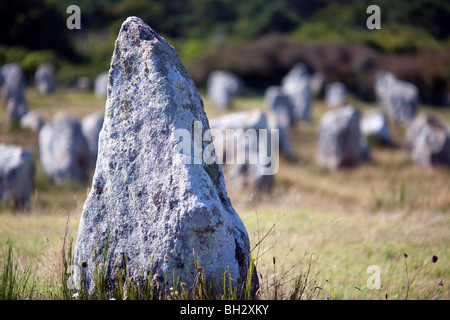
(63,150)
(284,143)
(100,84)
(297,84)
(16,110)
(427,141)
(340,139)
(222,87)
(32,121)
(374,126)
(14,82)
(17,170)
(335,94)
(398,99)
(148,201)
(281,105)
(248,173)
(14,92)
(280,116)
(91,125)
(45,78)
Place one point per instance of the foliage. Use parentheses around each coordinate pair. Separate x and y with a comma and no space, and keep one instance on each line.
(45,19)
(34,59)
(35,25)
(265,61)
(15,285)
(238,36)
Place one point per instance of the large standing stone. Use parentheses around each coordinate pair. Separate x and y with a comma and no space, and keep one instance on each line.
(63,150)
(375,127)
(280,116)
(14,82)
(335,94)
(17,170)
(399,99)
(281,105)
(45,78)
(284,141)
(149,200)
(340,139)
(297,84)
(91,125)
(100,84)
(222,87)
(245,141)
(427,141)
(32,121)
(14,92)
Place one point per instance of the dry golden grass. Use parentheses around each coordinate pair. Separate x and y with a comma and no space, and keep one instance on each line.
(348,220)
(354,218)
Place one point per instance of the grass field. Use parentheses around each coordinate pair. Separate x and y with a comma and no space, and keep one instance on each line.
(328,226)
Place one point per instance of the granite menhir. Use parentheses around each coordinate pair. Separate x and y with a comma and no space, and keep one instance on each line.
(146,204)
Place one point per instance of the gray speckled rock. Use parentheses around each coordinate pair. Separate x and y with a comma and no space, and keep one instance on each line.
(427,141)
(14,92)
(239,175)
(101,84)
(91,125)
(32,121)
(340,139)
(280,116)
(63,150)
(16,110)
(45,78)
(297,84)
(14,82)
(222,87)
(156,205)
(335,94)
(17,170)
(281,105)
(284,143)
(374,126)
(398,99)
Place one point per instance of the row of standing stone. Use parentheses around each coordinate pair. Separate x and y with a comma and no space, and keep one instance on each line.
(69,148)
(344,133)
(13,80)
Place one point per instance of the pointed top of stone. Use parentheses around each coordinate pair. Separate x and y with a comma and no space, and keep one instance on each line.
(135,36)
(140,57)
